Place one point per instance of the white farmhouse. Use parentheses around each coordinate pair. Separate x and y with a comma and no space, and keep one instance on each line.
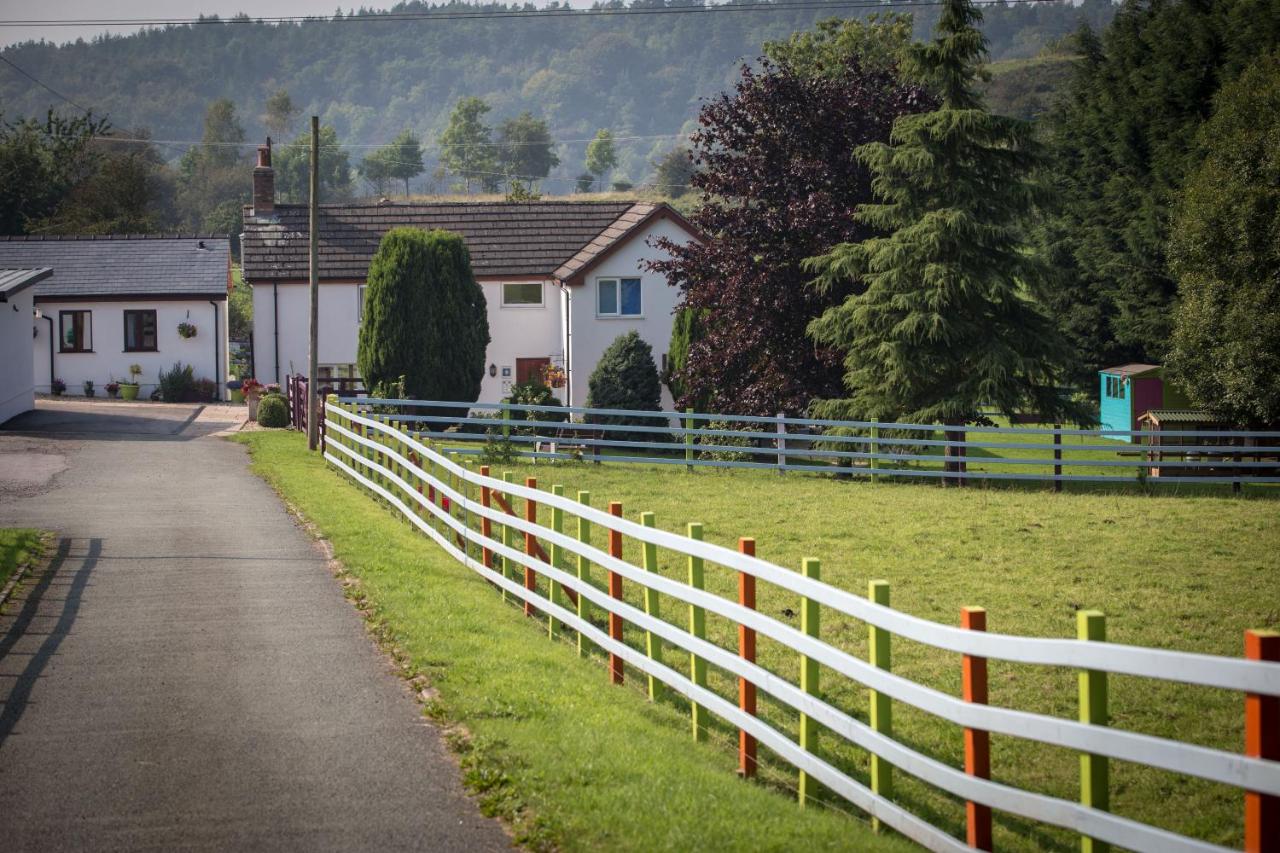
(113,301)
(562,280)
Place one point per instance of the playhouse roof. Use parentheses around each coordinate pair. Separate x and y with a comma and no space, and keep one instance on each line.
(1160,417)
(1131,370)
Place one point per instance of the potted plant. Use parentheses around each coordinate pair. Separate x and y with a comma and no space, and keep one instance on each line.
(113,388)
(253,391)
(187,330)
(235,386)
(129,390)
(88,388)
(57,387)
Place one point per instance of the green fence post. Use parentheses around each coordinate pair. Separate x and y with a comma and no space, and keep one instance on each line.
(506,422)
(1091,625)
(698,628)
(584,567)
(652,642)
(881,705)
(688,440)
(554,593)
(809,616)
(875,448)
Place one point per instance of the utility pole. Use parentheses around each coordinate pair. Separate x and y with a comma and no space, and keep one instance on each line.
(313,417)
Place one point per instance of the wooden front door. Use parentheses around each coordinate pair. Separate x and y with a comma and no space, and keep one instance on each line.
(530,369)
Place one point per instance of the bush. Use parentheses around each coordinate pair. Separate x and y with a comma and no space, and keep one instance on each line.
(178,385)
(627,378)
(272,411)
(206,390)
(424,318)
(535,394)
(727,441)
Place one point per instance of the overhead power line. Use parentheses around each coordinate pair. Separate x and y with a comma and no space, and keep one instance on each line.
(495,14)
(42,84)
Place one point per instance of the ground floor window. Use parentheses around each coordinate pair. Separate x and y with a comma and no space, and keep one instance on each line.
(140,331)
(76,328)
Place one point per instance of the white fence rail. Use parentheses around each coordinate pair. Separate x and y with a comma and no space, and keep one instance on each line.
(855,448)
(455,506)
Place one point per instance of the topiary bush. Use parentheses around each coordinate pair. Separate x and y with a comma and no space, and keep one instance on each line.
(425,318)
(273,411)
(627,378)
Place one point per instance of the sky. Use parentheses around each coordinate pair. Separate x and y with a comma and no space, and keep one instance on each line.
(14,10)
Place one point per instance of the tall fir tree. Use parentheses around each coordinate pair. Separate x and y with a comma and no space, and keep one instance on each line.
(945,324)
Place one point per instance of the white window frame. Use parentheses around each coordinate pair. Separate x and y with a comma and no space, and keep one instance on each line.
(361,290)
(617,280)
(542,296)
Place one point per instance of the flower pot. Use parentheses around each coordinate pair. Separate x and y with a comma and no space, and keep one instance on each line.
(237,396)
(253,407)
(128,391)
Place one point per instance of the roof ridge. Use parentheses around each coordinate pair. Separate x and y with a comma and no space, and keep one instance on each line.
(72,238)
(392,205)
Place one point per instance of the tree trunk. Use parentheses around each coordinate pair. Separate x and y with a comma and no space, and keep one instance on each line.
(955,465)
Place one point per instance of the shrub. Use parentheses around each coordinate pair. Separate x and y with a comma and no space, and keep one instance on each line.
(178,385)
(206,390)
(727,441)
(424,317)
(535,394)
(272,411)
(627,378)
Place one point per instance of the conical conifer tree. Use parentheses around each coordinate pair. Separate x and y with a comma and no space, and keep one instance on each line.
(943,323)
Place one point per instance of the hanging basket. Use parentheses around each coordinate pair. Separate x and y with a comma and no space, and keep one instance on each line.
(187,330)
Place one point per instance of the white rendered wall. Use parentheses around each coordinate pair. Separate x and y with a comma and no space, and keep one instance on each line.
(339,332)
(592,334)
(519,331)
(109,360)
(17,392)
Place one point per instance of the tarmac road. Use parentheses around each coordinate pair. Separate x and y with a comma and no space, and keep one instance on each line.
(187,673)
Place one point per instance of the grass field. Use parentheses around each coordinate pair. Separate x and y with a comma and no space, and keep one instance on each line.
(17,546)
(1174,571)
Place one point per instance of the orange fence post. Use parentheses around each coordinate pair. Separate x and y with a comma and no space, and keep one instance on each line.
(747,650)
(615,592)
(1261,740)
(486,525)
(977,742)
(530,544)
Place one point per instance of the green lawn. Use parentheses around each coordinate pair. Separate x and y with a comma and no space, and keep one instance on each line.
(569,761)
(1176,571)
(17,547)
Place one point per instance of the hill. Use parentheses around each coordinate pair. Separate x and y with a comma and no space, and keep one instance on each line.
(370,75)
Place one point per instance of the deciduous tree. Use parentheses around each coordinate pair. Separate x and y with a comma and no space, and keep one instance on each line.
(778,183)
(602,156)
(525,148)
(466,146)
(1225,254)
(293,168)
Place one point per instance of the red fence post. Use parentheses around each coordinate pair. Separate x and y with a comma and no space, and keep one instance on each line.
(615,592)
(1261,740)
(530,544)
(977,742)
(747,651)
(486,525)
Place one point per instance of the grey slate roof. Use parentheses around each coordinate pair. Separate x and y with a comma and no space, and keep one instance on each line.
(119,266)
(504,238)
(14,281)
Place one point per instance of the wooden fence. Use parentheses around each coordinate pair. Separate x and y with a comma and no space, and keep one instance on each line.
(855,448)
(553,568)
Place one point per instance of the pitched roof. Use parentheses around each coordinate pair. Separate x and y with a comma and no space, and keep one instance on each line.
(1180,416)
(121,266)
(13,281)
(1131,370)
(505,238)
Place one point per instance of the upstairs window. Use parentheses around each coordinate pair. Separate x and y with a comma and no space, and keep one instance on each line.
(524,295)
(76,331)
(140,331)
(618,297)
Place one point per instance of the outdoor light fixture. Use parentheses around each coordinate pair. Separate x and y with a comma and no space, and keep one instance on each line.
(493,370)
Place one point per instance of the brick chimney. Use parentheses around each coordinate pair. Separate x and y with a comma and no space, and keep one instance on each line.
(264,182)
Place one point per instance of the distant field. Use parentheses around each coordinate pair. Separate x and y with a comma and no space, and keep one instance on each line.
(1176,571)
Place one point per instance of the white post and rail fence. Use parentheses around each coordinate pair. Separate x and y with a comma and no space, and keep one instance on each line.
(555,566)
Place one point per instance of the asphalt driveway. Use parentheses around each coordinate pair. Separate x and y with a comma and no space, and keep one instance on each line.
(186,673)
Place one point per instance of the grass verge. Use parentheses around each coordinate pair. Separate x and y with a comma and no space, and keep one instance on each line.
(544,741)
(18,547)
